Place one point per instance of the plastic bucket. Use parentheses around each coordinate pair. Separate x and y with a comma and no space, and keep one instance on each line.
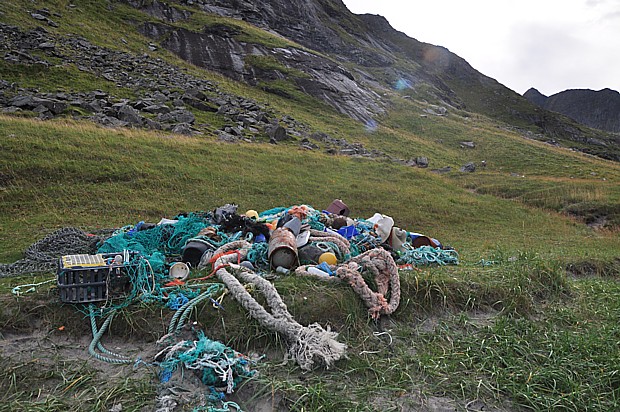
(193,251)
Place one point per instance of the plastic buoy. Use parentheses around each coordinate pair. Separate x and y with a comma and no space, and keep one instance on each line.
(252,214)
(329,258)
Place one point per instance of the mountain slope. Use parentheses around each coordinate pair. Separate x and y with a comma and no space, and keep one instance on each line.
(376,59)
(596,109)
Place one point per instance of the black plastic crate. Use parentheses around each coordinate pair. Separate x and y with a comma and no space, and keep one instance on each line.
(94,278)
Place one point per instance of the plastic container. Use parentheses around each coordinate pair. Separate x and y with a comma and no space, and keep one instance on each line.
(318,272)
(193,251)
(179,270)
(338,207)
(94,278)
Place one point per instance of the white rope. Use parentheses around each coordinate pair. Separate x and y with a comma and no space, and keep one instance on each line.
(309,345)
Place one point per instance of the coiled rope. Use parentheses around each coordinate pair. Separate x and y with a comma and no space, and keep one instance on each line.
(42,256)
(382,265)
(181,315)
(428,255)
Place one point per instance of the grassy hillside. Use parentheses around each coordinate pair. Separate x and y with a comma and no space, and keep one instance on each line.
(526,321)
(63,173)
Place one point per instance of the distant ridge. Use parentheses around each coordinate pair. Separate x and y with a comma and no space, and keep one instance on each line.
(597,109)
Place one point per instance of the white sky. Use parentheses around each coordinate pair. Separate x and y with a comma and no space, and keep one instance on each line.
(552,45)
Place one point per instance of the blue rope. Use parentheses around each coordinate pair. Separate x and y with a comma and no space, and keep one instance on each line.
(258,254)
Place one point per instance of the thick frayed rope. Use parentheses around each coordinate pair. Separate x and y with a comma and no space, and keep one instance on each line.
(309,345)
(382,265)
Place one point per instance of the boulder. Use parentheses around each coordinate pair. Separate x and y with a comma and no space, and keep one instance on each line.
(54,106)
(108,121)
(276,132)
(421,162)
(227,137)
(184,116)
(157,108)
(130,115)
(468,167)
(182,128)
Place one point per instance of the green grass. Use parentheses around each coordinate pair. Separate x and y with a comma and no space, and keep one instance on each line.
(59,79)
(65,173)
(565,359)
(108,178)
(527,321)
(60,385)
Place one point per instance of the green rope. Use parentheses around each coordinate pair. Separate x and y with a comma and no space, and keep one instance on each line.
(220,364)
(258,254)
(330,247)
(95,343)
(225,408)
(181,315)
(272,213)
(17,289)
(428,255)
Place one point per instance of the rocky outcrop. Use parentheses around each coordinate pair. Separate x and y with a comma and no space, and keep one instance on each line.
(217,49)
(380,59)
(167,98)
(353,63)
(596,109)
(160,103)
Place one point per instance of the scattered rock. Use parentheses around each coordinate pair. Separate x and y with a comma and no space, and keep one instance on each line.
(158,83)
(436,110)
(468,167)
(276,132)
(130,115)
(47,46)
(183,128)
(108,121)
(227,137)
(421,162)
(157,108)
(468,145)
(152,124)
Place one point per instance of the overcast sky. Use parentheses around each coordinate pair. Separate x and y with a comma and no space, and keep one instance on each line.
(552,45)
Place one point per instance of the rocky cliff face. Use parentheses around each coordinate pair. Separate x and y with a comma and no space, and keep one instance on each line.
(333,40)
(597,109)
(348,61)
(218,47)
